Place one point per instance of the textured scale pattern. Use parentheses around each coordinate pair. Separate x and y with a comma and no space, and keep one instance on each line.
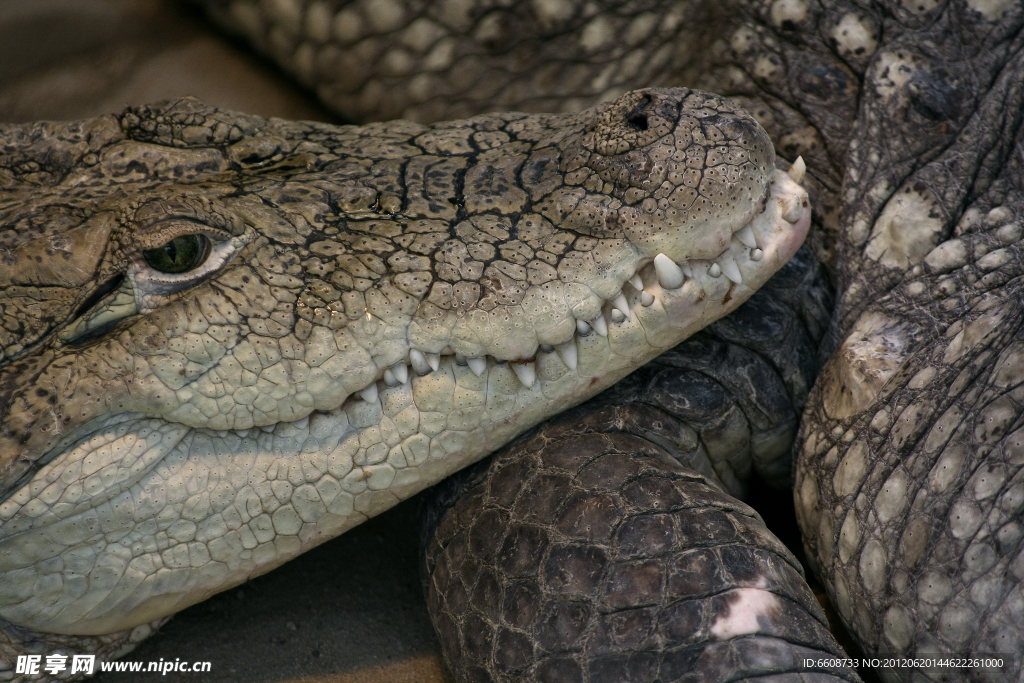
(166,436)
(616,500)
(427,61)
(565,560)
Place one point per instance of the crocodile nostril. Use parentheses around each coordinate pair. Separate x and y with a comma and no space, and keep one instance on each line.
(638,121)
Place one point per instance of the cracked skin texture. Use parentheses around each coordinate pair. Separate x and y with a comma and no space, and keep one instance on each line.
(166,437)
(907,114)
(876,96)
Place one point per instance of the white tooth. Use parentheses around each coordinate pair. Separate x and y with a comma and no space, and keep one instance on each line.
(567,352)
(582,327)
(670,276)
(433,360)
(756,254)
(269,428)
(617,316)
(222,433)
(477,365)
(547,348)
(731,270)
(303,423)
(369,394)
(419,362)
(401,371)
(460,359)
(242,432)
(797,170)
(620,303)
(389,378)
(793,210)
(687,270)
(646,298)
(637,283)
(746,236)
(715,270)
(526,373)
(600,326)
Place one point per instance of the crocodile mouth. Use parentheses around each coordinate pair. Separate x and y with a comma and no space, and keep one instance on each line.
(657,286)
(144,516)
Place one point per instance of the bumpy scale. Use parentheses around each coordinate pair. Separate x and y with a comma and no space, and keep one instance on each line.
(366,311)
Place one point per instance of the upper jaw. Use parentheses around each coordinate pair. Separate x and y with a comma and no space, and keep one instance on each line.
(640,283)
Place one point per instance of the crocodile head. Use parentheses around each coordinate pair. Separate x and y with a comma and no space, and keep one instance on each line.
(226,339)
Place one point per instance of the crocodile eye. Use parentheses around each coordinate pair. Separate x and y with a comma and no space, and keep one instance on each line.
(180,255)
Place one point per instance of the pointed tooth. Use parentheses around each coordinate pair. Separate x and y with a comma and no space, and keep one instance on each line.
(269,429)
(646,298)
(389,378)
(715,270)
(600,326)
(418,362)
(746,236)
(477,365)
(401,371)
(797,170)
(621,304)
(637,283)
(582,327)
(460,359)
(302,424)
(687,270)
(617,316)
(242,432)
(222,433)
(526,372)
(756,254)
(731,270)
(670,276)
(547,348)
(369,394)
(567,352)
(433,360)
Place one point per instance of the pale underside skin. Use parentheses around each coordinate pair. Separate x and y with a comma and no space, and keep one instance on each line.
(146,515)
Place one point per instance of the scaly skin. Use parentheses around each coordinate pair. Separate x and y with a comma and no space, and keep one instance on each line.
(167,437)
(600,548)
(908,115)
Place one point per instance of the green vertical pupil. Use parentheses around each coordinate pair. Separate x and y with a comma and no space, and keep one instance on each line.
(180,255)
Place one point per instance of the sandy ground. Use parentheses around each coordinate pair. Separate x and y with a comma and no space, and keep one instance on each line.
(350,611)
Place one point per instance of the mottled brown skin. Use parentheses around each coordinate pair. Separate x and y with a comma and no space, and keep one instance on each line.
(333,224)
(433,222)
(883,99)
(927,105)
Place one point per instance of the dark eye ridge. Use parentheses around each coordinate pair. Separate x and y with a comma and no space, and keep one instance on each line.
(180,255)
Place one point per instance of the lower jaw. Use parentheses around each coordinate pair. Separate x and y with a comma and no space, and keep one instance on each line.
(193,512)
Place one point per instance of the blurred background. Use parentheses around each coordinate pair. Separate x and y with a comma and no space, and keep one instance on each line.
(70,59)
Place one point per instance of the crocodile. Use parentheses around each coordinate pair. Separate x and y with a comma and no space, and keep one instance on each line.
(907,116)
(907,112)
(228,339)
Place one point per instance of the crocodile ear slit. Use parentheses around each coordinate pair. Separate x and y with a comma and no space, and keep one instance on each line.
(104,310)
